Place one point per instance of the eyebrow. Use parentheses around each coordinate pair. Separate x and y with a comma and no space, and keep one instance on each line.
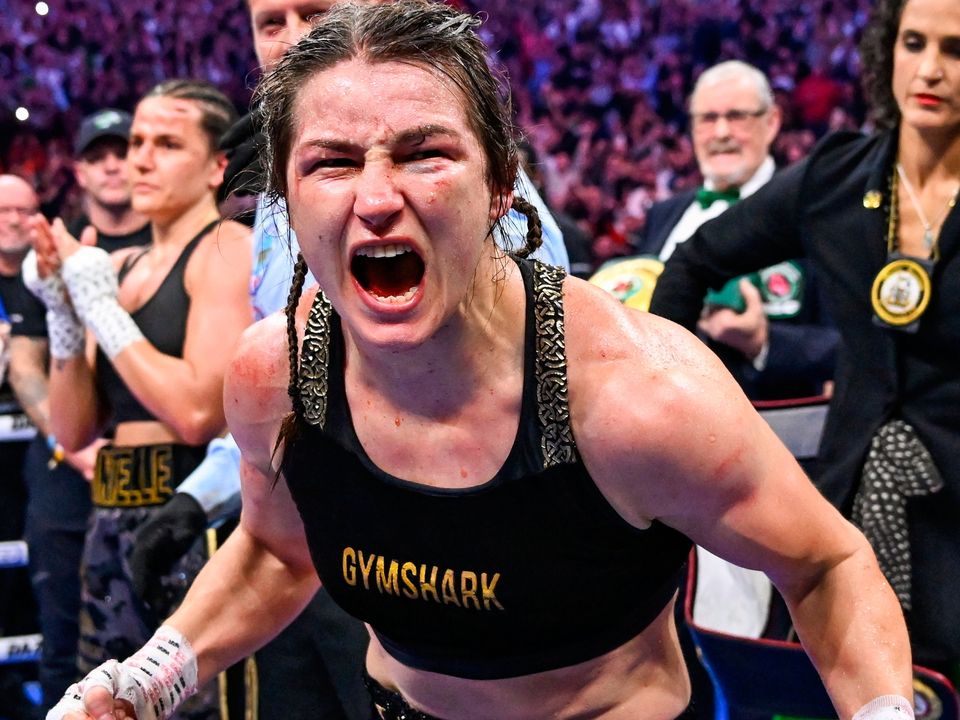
(413,136)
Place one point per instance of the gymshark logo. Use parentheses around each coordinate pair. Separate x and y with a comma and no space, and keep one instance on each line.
(464,588)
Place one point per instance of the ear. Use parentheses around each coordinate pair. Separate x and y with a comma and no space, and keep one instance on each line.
(79,174)
(219,167)
(500,204)
(774,122)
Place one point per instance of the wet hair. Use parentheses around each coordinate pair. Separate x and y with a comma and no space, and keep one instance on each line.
(425,34)
(736,70)
(217,112)
(876,51)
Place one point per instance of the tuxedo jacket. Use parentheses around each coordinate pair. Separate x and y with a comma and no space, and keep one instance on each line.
(802,353)
(833,209)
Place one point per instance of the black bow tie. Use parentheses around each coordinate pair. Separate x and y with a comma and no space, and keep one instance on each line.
(706,198)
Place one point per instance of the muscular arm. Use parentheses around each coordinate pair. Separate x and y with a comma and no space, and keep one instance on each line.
(185,392)
(667,424)
(262,577)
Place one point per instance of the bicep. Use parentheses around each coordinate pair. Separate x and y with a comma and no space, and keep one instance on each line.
(270,515)
(754,506)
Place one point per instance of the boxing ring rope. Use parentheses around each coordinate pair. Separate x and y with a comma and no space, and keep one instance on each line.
(16,427)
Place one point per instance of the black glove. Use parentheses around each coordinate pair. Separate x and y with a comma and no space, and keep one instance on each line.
(160,542)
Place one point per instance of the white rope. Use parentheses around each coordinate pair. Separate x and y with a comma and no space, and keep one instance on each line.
(13,553)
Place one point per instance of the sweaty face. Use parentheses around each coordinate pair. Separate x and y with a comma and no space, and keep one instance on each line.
(278,24)
(388,197)
(102,172)
(170,162)
(17,203)
(926,65)
(732,131)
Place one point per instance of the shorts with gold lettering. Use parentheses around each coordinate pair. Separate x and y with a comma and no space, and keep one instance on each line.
(129,484)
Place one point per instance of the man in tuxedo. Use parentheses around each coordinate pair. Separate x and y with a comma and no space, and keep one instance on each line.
(768,328)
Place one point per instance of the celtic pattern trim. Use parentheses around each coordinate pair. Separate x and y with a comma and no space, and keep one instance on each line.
(556,438)
(315,361)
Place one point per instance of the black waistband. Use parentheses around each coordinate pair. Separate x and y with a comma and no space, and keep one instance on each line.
(141,476)
(389,704)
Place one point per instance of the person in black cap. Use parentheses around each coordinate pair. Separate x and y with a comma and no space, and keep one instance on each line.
(100,152)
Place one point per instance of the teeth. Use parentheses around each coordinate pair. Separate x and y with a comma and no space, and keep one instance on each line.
(398,298)
(381,251)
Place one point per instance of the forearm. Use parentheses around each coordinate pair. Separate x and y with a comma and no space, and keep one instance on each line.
(241,599)
(28,378)
(76,414)
(853,630)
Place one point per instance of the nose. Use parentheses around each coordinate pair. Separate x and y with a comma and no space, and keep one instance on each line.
(112,163)
(377,201)
(721,128)
(295,27)
(931,68)
(139,157)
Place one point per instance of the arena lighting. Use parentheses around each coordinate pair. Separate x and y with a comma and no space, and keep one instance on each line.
(42,8)
(22,114)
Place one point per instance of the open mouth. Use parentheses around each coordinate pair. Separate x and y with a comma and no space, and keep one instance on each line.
(391,273)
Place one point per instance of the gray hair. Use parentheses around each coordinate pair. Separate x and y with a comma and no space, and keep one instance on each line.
(735,70)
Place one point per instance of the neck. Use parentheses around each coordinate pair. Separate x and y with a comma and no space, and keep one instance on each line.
(10,262)
(479,343)
(114,220)
(928,156)
(180,229)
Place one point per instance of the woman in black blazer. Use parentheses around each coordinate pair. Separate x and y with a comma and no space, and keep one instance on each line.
(876,217)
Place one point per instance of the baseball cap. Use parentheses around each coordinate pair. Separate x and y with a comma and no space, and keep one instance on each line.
(103,123)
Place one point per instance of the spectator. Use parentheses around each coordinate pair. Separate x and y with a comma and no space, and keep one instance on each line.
(769,329)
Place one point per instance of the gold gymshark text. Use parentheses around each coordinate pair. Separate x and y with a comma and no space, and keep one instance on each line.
(431,583)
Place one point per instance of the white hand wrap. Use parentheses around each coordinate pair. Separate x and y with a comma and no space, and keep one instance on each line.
(886,707)
(155,680)
(92,282)
(66,332)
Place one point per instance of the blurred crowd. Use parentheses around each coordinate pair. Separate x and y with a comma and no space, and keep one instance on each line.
(599,86)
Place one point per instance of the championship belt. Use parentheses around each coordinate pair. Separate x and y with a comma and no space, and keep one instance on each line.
(631,280)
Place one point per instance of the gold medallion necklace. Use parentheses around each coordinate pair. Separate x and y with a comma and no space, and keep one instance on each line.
(901,290)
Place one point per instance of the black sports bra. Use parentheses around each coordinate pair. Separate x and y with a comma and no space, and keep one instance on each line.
(162,320)
(531,571)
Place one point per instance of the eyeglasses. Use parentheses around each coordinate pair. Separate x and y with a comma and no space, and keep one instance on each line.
(23,211)
(734,118)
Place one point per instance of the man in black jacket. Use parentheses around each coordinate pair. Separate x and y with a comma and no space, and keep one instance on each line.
(769,327)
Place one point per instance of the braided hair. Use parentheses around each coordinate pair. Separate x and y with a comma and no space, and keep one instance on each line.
(426,34)
(534,226)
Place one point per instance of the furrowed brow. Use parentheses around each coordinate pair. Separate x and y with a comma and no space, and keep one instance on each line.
(419,135)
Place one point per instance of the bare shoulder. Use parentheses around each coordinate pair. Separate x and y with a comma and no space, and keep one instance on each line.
(255,393)
(652,408)
(119,257)
(224,254)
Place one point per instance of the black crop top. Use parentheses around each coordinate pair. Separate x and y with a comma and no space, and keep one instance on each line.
(163,321)
(531,571)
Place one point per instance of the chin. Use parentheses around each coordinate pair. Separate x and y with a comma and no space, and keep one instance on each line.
(728,178)
(390,337)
